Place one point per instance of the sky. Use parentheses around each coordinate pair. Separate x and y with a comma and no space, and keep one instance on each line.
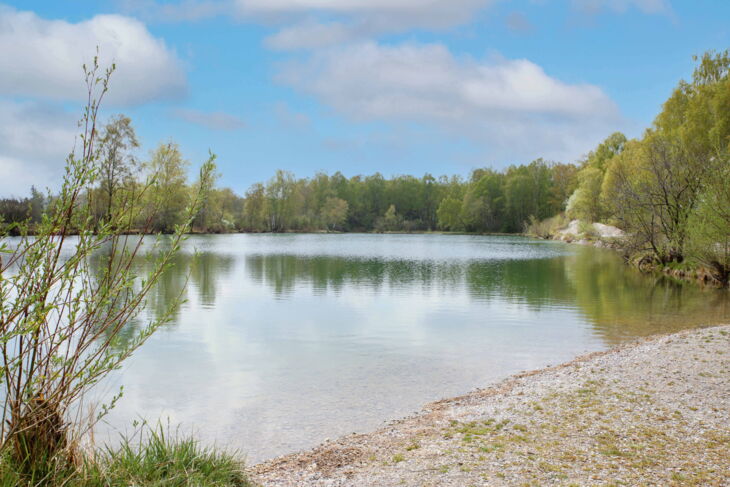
(357,86)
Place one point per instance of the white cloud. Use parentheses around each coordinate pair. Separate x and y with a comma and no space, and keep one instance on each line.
(309,24)
(35,139)
(511,104)
(405,13)
(354,19)
(312,24)
(399,14)
(620,6)
(40,57)
(185,11)
(311,34)
(370,80)
(210,120)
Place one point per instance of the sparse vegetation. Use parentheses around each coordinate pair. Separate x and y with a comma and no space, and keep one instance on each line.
(602,420)
(66,293)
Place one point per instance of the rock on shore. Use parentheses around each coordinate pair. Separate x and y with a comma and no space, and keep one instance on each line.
(597,234)
(656,412)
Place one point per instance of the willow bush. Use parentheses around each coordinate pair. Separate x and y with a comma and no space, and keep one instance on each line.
(61,316)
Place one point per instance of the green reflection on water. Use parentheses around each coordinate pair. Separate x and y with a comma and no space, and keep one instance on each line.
(203,270)
(291,339)
(618,301)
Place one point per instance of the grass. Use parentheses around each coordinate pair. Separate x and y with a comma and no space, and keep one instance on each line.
(399,457)
(156,460)
(413,446)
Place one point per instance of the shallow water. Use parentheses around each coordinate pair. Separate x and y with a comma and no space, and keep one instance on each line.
(286,340)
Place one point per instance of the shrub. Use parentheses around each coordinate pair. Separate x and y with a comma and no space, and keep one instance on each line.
(61,316)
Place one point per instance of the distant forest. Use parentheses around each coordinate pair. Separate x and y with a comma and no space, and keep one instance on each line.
(669,190)
(488,201)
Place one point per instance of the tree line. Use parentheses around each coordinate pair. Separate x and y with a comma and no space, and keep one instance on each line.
(156,192)
(668,189)
(487,201)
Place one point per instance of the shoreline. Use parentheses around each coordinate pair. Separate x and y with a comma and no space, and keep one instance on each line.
(653,411)
(609,237)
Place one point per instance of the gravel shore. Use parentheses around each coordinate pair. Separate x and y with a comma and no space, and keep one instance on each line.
(654,412)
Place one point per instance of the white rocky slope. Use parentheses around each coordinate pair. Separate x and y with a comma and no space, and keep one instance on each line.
(576,231)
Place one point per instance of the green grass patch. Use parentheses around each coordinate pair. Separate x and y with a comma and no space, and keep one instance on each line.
(157,459)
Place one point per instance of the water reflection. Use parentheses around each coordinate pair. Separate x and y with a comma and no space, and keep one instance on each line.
(286,340)
(620,302)
(204,271)
(285,273)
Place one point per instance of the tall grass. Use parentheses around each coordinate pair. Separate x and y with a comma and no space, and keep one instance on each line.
(157,458)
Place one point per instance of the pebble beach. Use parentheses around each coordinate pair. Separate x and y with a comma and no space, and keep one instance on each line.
(652,412)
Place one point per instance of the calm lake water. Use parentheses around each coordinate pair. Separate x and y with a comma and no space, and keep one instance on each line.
(286,340)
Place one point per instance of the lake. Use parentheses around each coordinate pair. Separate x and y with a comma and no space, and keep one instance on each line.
(286,340)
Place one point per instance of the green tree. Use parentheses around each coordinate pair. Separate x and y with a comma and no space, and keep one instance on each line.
(655,194)
(334,213)
(482,208)
(168,197)
(282,201)
(255,211)
(37,205)
(584,204)
(564,181)
(391,221)
(116,161)
(709,239)
(661,193)
(449,214)
(519,189)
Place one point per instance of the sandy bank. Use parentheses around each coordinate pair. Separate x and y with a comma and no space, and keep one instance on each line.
(656,412)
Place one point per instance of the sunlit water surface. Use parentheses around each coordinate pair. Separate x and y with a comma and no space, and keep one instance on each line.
(286,340)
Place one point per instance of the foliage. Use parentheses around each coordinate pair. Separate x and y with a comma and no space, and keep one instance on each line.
(655,194)
(168,199)
(390,222)
(668,189)
(153,458)
(64,301)
(116,163)
(334,212)
(584,203)
(449,214)
(489,201)
(14,212)
(709,241)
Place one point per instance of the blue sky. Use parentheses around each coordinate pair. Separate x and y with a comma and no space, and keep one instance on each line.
(395,86)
